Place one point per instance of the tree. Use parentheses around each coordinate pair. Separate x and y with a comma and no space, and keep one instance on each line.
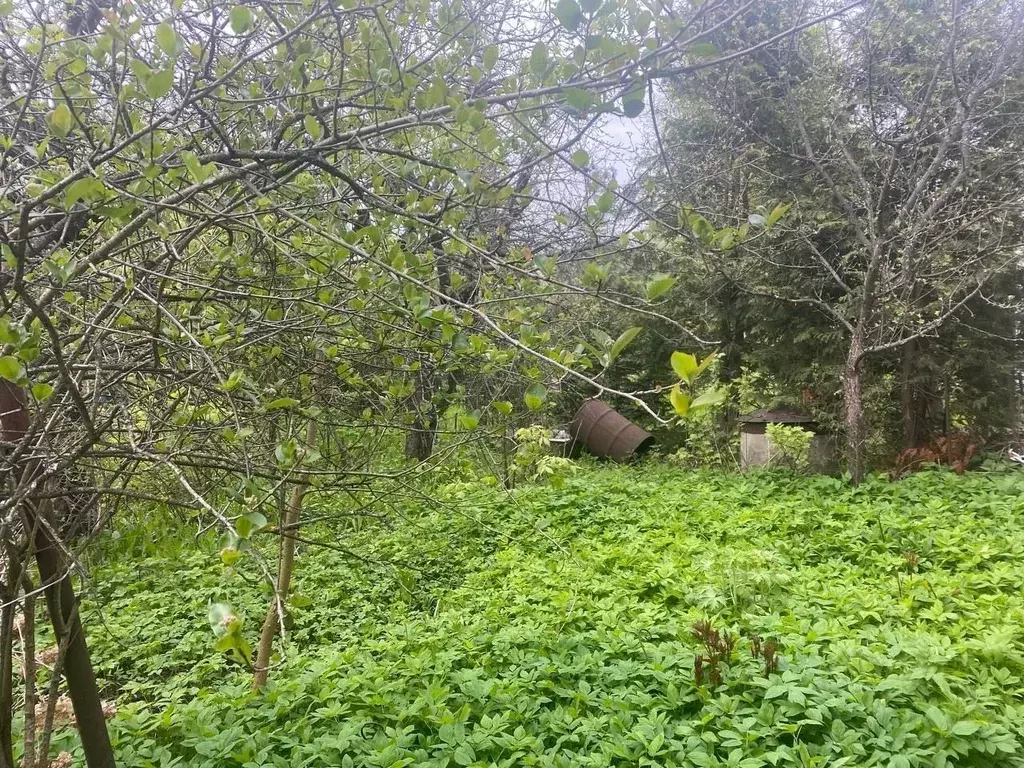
(893,133)
(241,243)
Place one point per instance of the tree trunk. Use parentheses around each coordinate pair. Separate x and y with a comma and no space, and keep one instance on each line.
(288,529)
(853,411)
(909,402)
(419,443)
(52,694)
(921,405)
(731,331)
(6,691)
(28,647)
(60,599)
(82,688)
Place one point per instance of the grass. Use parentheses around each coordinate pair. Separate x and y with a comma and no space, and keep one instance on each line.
(557,629)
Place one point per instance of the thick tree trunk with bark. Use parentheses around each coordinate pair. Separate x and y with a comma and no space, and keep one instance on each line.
(853,410)
(82,688)
(61,603)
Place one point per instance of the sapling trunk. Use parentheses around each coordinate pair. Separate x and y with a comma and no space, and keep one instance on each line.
(6,689)
(28,646)
(287,530)
(52,694)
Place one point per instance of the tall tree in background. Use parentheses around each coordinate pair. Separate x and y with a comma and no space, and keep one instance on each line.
(895,132)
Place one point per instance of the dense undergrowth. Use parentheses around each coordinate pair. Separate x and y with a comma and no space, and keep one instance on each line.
(557,629)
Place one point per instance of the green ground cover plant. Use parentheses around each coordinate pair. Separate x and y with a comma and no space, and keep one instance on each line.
(634,617)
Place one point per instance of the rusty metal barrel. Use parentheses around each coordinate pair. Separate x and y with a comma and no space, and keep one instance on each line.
(607,433)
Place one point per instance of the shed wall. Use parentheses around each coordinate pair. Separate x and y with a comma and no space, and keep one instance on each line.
(756,451)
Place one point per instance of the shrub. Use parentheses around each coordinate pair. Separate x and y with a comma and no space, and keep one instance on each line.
(955,451)
(790,445)
(534,460)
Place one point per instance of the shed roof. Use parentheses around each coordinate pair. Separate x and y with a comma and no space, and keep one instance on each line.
(766,416)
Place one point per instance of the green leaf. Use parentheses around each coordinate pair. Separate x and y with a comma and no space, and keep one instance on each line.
(539,59)
(470,421)
(685,366)
(965,728)
(42,391)
(503,407)
(706,362)
(707,399)
(230,556)
(938,718)
(82,189)
(159,84)
(257,518)
(658,285)
(701,227)
(197,170)
(703,50)
(250,523)
(578,98)
(312,126)
(568,14)
(633,107)
(605,201)
(281,402)
(10,368)
(491,53)
(223,619)
(623,341)
(61,120)
(140,69)
(241,19)
(776,691)
(243,527)
(778,212)
(234,381)
(464,755)
(535,396)
(633,101)
(166,38)
(581,158)
(680,400)
(546,264)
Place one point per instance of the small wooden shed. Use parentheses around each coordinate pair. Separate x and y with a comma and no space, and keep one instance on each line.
(756,449)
